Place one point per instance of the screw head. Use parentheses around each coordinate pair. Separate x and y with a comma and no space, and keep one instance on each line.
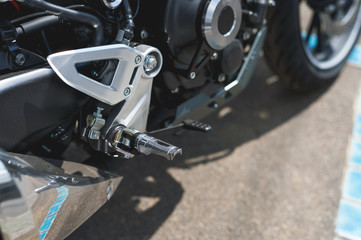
(138,59)
(192,75)
(127,91)
(20,59)
(150,63)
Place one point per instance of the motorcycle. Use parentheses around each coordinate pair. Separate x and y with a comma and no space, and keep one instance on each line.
(114,76)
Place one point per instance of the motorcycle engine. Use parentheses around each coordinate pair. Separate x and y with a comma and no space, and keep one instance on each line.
(201,42)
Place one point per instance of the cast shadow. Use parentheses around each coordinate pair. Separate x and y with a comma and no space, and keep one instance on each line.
(264,105)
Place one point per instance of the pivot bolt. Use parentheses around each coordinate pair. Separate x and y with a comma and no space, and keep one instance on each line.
(127,91)
(20,59)
(150,63)
(138,59)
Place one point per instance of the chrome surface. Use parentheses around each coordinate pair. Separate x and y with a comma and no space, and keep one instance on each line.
(146,144)
(20,59)
(134,112)
(124,140)
(201,105)
(49,198)
(16,218)
(128,73)
(150,63)
(112,4)
(95,123)
(213,36)
(343,31)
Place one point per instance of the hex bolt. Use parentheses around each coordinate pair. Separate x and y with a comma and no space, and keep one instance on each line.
(138,59)
(98,113)
(150,63)
(20,59)
(222,78)
(192,75)
(127,91)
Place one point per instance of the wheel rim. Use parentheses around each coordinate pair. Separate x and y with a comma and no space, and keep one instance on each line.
(332,33)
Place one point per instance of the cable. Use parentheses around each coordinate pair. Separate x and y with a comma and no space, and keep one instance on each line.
(72,15)
(137,10)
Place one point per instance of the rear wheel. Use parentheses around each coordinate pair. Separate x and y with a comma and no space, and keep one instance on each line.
(309,43)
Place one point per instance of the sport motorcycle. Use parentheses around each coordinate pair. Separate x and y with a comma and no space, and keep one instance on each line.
(112,77)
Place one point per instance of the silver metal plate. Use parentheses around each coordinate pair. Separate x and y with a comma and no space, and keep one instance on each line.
(127,74)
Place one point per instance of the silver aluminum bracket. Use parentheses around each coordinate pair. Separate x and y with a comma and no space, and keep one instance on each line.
(128,73)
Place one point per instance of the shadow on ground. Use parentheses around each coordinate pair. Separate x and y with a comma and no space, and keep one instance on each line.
(263,106)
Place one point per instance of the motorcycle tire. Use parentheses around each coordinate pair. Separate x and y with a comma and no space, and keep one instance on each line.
(291,58)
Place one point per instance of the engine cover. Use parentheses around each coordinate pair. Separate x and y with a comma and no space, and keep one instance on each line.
(222,20)
(188,23)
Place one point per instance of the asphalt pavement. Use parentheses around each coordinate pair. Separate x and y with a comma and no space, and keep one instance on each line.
(272,168)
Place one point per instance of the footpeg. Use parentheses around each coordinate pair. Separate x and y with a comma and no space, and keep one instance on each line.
(125,141)
(146,144)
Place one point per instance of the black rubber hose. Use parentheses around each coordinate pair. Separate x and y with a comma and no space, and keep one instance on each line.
(71,15)
(128,14)
(36,24)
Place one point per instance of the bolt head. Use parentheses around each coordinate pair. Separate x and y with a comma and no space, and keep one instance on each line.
(150,63)
(214,56)
(110,190)
(20,59)
(127,91)
(222,78)
(138,59)
(192,75)
(330,8)
(174,91)
(144,34)
(246,35)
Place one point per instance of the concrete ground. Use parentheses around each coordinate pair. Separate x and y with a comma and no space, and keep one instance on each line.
(272,168)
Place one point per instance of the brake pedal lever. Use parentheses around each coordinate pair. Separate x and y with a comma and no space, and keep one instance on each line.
(185,125)
(196,126)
